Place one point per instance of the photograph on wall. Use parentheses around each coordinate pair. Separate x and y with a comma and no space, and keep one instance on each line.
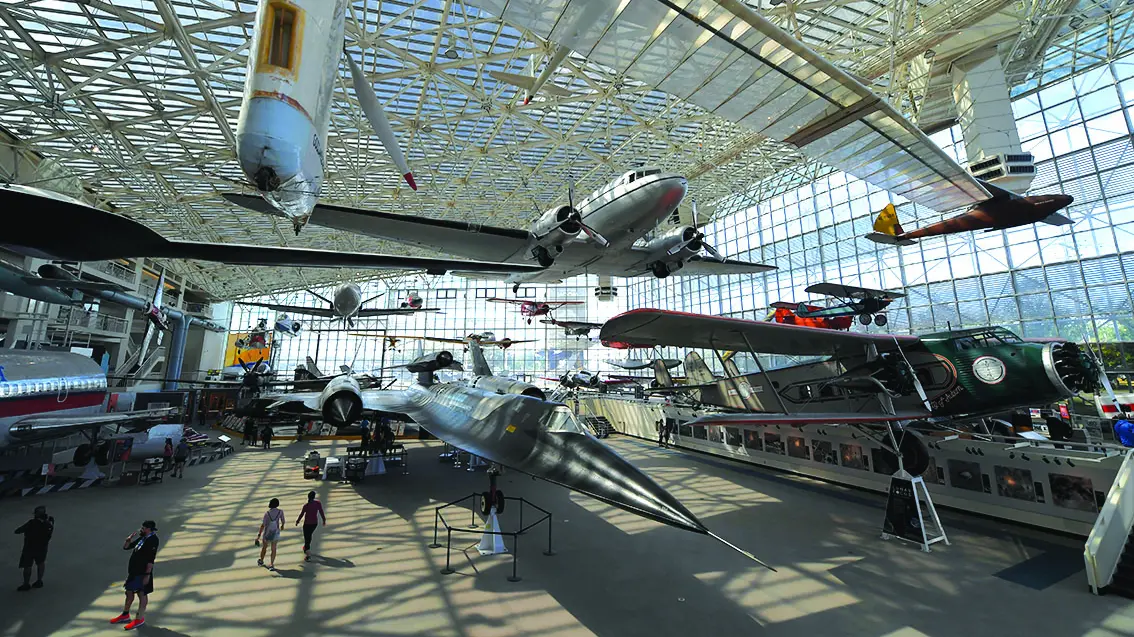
(822,451)
(773,443)
(797,447)
(885,462)
(1015,483)
(714,434)
(752,440)
(852,456)
(685,431)
(965,475)
(732,436)
(1072,492)
(700,433)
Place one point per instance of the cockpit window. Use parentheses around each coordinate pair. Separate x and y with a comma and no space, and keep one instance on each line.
(562,420)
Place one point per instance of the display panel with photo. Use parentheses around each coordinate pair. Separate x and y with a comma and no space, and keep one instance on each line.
(752,439)
(700,433)
(715,434)
(1072,492)
(964,475)
(852,456)
(1015,483)
(732,436)
(773,443)
(797,447)
(822,451)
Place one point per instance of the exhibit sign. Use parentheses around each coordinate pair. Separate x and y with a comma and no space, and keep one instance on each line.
(903,519)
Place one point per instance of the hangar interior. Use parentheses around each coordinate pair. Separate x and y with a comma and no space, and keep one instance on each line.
(713,260)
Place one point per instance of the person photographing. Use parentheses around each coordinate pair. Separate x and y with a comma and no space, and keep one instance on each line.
(37,534)
(143,545)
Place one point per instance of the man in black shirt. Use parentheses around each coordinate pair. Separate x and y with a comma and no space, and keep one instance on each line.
(140,576)
(37,533)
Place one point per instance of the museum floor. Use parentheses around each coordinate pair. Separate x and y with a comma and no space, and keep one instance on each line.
(615,574)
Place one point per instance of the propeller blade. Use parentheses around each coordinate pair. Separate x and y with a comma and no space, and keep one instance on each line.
(713,251)
(373,110)
(694,204)
(594,235)
(917,383)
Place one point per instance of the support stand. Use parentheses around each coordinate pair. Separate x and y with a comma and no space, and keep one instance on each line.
(376,466)
(491,542)
(905,519)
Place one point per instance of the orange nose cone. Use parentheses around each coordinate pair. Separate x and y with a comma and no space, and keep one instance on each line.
(527,100)
(409,180)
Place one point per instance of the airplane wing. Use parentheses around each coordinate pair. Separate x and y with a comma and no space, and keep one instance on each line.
(558,304)
(72,284)
(725,58)
(512,301)
(47,427)
(461,238)
(294,309)
(680,329)
(785,305)
(122,237)
(669,363)
(848,291)
(699,266)
(574,325)
(394,311)
(834,418)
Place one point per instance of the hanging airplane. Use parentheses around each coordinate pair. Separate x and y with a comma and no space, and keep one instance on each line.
(413,300)
(872,380)
(287,326)
(531,309)
(1004,210)
(486,338)
(49,286)
(864,303)
(51,395)
(281,134)
(157,320)
(578,329)
(510,424)
(785,313)
(728,59)
(120,237)
(611,220)
(345,304)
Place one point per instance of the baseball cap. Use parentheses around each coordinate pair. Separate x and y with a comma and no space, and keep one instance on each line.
(150,524)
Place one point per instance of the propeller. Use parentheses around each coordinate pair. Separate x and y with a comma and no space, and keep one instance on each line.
(1102,377)
(916,382)
(700,237)
(373,110)
(587,230)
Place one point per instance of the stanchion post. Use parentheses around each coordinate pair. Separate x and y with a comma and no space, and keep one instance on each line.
(436,519)
(448,550)
(515,555)
(549,552)
(472,513)
(521,515)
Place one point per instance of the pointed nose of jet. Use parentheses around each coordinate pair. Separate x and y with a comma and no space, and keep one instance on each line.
(590,467)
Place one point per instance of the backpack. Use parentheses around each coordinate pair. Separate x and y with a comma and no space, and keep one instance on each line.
(273,526)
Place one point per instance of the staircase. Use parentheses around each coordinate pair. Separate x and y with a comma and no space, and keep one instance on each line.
(1123,581)
(599,425)
(1108,553)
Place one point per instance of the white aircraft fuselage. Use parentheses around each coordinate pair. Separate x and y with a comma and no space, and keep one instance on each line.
(282,131)
(47,384)
(628,207)
(347,300)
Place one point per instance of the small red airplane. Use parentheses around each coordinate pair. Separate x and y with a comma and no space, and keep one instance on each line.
(621,345)
(785,313)
(413,301)
(532,309)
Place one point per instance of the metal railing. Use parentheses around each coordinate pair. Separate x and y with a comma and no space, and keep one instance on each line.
(113,269)
(1107,540)
(439,519)
(204,309)
(73,317)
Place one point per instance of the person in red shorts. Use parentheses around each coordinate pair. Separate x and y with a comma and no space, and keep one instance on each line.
(310,514)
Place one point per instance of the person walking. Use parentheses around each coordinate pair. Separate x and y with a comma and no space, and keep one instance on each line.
(167,454)
(364,427)
(660,424)
(140,574)
(249,434)
(266,436)
(270,529)
(37,533)
(180,456)
(310,514)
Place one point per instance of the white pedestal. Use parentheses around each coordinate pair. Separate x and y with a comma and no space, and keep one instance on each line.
(376,466)
(490,543)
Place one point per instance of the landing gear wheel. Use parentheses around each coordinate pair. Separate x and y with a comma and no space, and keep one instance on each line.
(499,501)
(864,319)
(82,455)
(484,506)
(880,320)
(659,269)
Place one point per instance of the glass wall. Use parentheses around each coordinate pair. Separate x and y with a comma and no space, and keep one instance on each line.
(464,308)
(1039,280)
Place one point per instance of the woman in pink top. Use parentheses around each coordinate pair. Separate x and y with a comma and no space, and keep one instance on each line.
(310,514)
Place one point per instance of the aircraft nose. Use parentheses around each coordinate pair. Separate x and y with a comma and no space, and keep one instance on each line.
(1067,200)
(270,142)
(592,468)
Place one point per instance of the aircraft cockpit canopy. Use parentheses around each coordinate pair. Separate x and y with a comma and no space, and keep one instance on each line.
(562,420)
(633,175)
(983,337)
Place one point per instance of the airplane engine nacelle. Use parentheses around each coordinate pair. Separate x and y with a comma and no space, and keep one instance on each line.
(556,227)
(1070,369)
(671,250)
(508,386)
(341,401)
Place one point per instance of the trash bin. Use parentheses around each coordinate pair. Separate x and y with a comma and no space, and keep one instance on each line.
(311,465)
(355,468)
(333,469)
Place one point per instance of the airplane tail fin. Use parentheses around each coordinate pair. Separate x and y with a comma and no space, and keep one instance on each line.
(696,371)
(1057,219)
(313,368)
(887,221)
(480,364)
(661,374)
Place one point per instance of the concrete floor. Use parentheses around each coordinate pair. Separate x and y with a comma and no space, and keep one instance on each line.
(615,574)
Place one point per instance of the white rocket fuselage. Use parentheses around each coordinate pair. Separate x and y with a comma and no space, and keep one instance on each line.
(282,131)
